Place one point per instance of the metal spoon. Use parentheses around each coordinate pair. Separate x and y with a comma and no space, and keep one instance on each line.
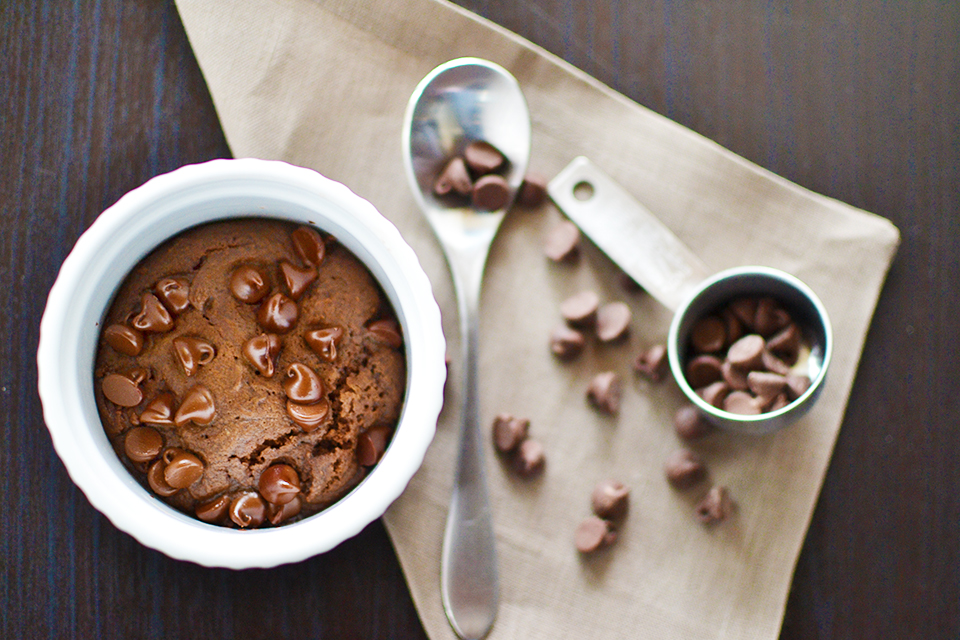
(461,101)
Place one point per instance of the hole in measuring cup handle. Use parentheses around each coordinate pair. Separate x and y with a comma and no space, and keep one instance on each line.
(583,191)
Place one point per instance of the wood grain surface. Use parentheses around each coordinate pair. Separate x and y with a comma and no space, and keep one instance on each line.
(855,99)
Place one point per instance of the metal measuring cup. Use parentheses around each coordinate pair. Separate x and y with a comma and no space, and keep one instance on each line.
(649,253)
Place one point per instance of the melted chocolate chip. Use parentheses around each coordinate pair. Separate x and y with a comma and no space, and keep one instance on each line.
(324,341)
(182,468)
(278,313)
(249,284)
(174,293)
(197,407)
(157,482)
(248,510)
(160,410)
(261,351)
(153,316)
(193,353)
(308,416)
(386,332)
(123,339)
(279,484)
(122,390)
(143,444)
(302,385)
(372,443)
(213,511)
(297,280)
(308,245)
(279,513)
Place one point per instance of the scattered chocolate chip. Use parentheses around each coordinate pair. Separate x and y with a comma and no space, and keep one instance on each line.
(278,313)
(297,279)
(580,309)
(153,316)
(386,332)
(604,392)
(610,499)
(181,468)
(716,506)
(142,444)
(529,458)
(490,193)
(308,416)
(652,363)
(613,320)
(249,284)
(453,178)
(690,424)
(372,443)
(174,293)
(197,407)
(509,432)
(324,341)
(684,469)
(279,484)
(248,510)
(302,385)
(533,190)
(213,511)
(566,342)
(192,353)
(160,410)
(261,351)
(563,241)
(482,157)
(122,390)
(593,533)
(309,245)
(123,339)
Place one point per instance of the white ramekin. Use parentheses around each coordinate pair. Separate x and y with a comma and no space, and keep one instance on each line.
(112,246)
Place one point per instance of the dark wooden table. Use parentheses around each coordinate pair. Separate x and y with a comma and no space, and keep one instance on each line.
(856,99)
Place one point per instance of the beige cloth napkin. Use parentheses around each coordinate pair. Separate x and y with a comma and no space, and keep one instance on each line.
(324,84)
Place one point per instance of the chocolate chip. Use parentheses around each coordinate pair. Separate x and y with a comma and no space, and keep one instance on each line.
(122,390)
(192,353)
(684,469)
(604,392)
(735,377)
(745,310)
(278,313)
(786,342)
(772,363)
(153,316)
(279,513)
(715,393)
(386,332)
(297,279)
(279,484)
(490,193)
(160,410)
(248,510)
(703,370)
(716,506)
(563,241)
(142,444)
(453,178)
(652,363)
(533,190)
(302,385)
(509,432)
(709,334)
(741,403)
(324,341)
(529,458)
(566,342)
(747,352)
(613,320)
(213,511)
(308,416)
(174,293)
(249,284)
(261,351)
(690,424)
(309,245)
(610,499)
(769,317)
(580,309)
(593,533)
(197,407)
(372,443)
(157,482)
(181,468)
(123,339)
(765,385)
(797,385)
(482,157)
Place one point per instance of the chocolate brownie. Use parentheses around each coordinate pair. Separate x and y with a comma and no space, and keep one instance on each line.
(242,366)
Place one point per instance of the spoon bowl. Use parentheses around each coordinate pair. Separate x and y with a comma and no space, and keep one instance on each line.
(459,102)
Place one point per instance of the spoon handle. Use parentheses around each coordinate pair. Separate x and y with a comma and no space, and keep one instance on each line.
(469,579)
